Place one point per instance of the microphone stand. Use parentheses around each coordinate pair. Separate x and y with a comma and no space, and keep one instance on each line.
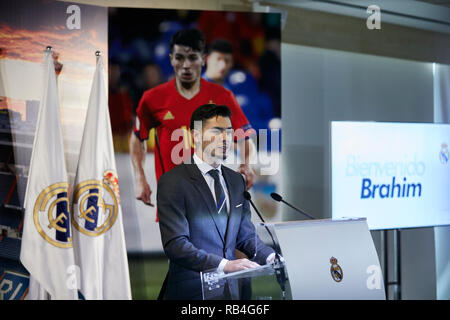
(278,264)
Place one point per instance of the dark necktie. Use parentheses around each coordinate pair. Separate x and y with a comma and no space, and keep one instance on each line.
(219,192)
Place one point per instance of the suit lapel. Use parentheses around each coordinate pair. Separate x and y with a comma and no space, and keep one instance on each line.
(200,183)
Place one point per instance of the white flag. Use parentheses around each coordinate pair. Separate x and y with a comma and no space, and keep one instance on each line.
(99,242)
(47,251)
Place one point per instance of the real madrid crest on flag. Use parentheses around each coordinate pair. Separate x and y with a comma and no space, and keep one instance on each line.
(97,203)
(336,271)
(51,215)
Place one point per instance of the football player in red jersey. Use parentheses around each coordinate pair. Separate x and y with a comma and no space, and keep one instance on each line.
(168,108)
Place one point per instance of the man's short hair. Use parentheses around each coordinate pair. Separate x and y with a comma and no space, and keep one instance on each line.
(209,111)
(192,38)
(220,45)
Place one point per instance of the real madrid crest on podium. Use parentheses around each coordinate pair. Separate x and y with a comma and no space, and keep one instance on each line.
(336,271)
(96,204)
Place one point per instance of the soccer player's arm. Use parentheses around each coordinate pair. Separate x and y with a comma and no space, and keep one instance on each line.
(243,134)
(138,150)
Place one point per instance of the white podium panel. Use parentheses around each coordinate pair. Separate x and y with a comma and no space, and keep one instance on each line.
(330,259)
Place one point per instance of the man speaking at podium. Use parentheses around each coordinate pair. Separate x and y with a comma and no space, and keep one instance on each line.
(203,214)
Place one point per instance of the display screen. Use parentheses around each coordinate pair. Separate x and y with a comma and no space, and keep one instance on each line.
(397,175)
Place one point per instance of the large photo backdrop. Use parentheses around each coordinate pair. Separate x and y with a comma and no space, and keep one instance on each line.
(249,65)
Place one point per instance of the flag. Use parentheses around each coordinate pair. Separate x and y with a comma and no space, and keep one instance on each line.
(46,250)
(99,242)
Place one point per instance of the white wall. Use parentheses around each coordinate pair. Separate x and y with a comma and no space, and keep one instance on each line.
(442,234)
(319,86)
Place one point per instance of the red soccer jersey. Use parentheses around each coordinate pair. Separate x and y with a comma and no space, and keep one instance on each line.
(164,108)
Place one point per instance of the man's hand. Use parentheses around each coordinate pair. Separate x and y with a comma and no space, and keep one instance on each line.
(249,174)
(143,192)
(138,150)
(238,265)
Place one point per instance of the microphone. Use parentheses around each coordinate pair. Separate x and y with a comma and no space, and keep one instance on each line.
(277,197)
(248,197)
(280,273)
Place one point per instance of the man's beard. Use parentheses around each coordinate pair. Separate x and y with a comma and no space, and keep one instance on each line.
(221,157)
(187,85)
(215,156)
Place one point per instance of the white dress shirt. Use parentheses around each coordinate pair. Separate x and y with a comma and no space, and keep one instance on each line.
(205,168)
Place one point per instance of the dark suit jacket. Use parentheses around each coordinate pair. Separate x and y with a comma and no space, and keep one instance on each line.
(189,231)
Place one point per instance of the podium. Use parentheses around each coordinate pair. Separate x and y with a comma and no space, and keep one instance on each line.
(322,260)
(214,284)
